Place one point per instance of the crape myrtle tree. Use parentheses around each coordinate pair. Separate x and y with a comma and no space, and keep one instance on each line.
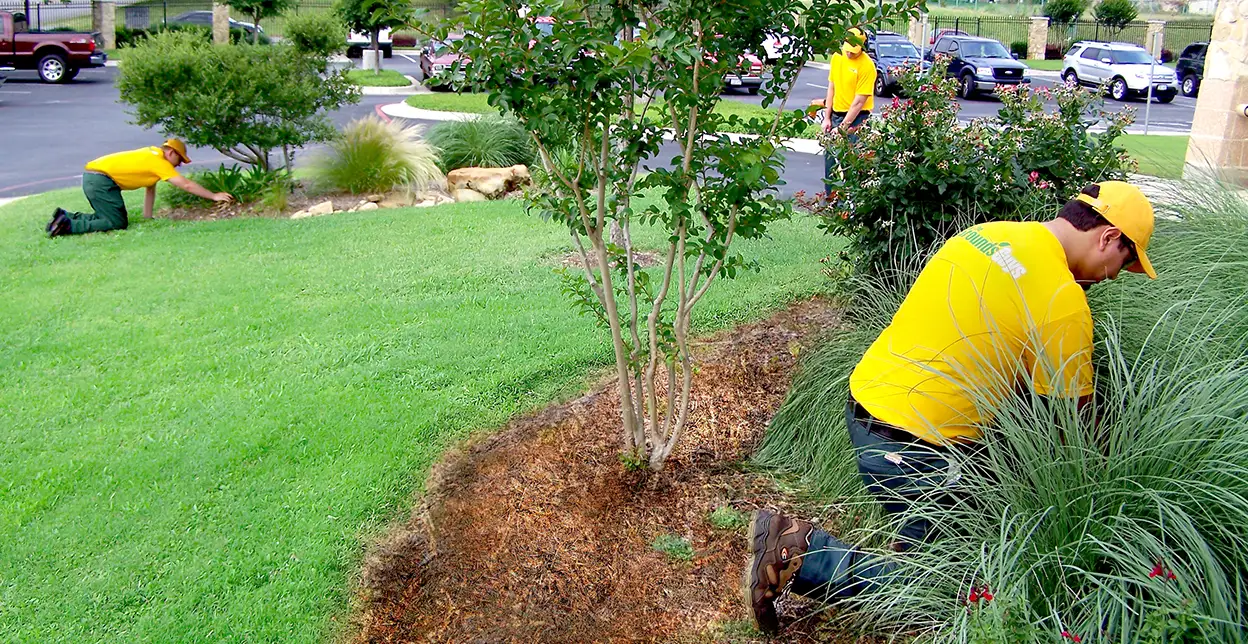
(599,85)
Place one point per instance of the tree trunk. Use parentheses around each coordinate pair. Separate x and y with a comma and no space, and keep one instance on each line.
(375,36)
(255,29)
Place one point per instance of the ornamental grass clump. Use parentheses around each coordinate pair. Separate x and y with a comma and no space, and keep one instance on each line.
(373,156)
(482,142)
(1121,522)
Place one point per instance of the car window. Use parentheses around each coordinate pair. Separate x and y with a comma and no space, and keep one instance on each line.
(954,48)
(897,49)
(942,46)
(1074,50)
(1131,57)
(985,49)
(1091,53)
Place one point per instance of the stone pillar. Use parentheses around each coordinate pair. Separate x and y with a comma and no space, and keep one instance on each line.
(220,23)
(104,22)
(915,33)
(1155,38)
(1219,141)
(1037,37)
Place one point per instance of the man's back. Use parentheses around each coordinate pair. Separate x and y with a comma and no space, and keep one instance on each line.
(994,304)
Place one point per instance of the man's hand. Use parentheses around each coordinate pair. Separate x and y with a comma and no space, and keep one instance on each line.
(827,124)
(222,197)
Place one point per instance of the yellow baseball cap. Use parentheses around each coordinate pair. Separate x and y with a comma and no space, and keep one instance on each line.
(1124,206)
(178,146)
(853,43)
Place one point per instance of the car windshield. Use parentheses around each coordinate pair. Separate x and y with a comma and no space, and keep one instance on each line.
(897,49)
(1132,57)
(984,49)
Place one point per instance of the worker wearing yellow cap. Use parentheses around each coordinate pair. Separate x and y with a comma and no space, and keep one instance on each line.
(1000,308)
(105,178)
(851,86)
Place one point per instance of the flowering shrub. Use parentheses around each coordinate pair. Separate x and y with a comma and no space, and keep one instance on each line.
(917,175)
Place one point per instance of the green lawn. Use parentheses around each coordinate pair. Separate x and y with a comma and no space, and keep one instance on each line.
(1159,156)
(1044,65)
(205,422)
(369,78)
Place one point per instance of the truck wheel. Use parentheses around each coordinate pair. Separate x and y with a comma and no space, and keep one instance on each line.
(880,88)
(1190,85)
(52,69)
(387,52)
(1166,97)
(71,74)
(752,90)
(968,86)
(1118,89)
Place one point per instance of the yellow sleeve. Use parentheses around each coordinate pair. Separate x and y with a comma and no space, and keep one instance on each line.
(866,79)
(164,170)
(1062,366)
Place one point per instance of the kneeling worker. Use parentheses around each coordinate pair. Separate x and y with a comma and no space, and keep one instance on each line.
(997,307)
(107,176)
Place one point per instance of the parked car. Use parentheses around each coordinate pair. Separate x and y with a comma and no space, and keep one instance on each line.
(936,35)
(979,64)
(437,62)
(890,50)
(357,42)
(204,19)
(748,74)
(57,56)
(1191,68)
(775,45)
(1123,68)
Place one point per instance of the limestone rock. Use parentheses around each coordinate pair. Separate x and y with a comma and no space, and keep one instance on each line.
(368,205)
(491,182)
(465,194)
(375,198)
(323,208)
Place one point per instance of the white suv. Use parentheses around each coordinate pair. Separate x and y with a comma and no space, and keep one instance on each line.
(1122,67)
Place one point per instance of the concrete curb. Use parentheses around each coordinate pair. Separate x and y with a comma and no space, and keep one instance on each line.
(414,88)
(405,111)
(817,65)
(4,201)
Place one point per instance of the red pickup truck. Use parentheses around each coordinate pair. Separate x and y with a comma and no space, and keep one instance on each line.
(57,56)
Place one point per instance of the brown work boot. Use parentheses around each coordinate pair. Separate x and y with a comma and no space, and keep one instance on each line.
(777,544)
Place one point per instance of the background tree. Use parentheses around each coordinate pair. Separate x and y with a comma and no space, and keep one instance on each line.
(1064,12)
(277,97)
(599,86)
(371,16)
(258,10)
(1115,14)
(319,34)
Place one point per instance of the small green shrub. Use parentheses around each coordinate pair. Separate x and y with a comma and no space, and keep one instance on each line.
(131,37)
(917,175)
(486,142)
(371,155)
(728,518)
(246,185)
(319,33)
(1019,48)
(673,546)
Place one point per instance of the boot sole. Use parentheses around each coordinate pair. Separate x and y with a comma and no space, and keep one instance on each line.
(758,546)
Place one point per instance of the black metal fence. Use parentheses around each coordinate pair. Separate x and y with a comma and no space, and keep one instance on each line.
(1181,33)
(1005,29)
(147,14)
(51,16)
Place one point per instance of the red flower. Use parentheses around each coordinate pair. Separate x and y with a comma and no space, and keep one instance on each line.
(1160,570)
(979,593)
(1071,636)
(896,102)
(1034,176)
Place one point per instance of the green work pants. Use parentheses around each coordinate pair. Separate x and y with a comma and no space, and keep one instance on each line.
(106,201)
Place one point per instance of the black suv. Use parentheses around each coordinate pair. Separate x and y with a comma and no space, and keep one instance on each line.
(890,50)
(979,64)
(1190,68)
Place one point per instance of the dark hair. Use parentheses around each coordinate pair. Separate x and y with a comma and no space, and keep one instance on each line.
(1081,215)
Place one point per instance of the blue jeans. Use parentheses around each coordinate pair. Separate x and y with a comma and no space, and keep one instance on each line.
(897,473)
(829,162)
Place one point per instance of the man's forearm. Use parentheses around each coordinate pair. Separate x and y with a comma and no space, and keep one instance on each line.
(192,187)
(149,202)
(854,110)
(827,104)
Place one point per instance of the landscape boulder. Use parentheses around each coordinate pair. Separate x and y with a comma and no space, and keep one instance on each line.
(323,208)
(466,194)
(491,182)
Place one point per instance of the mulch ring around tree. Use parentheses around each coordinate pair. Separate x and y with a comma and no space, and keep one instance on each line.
(538,533)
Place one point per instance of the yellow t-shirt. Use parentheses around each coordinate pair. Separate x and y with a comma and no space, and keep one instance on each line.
(850,78)
(135,169)
(995,305)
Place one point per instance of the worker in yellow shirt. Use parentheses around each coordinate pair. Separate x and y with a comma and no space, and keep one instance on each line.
(105,178)
(851,91)
(999,308)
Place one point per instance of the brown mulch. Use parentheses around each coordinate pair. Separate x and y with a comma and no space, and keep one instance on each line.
(537,533)
(642,258)
(295,203)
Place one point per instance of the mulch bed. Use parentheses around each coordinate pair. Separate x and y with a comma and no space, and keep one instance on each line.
(296,202)
(537,533)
